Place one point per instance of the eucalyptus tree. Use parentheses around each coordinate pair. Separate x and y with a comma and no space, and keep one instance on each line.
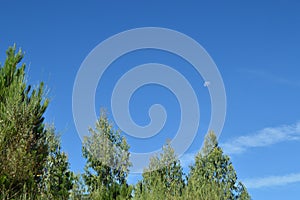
(107,161)
(58,180)
(212,176)
(163,179)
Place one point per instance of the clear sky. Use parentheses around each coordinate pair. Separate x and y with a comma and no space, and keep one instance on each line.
(254,44)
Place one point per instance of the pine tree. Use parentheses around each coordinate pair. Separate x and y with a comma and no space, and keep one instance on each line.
(108,162)
(32,164)
(213,176)
(23,148)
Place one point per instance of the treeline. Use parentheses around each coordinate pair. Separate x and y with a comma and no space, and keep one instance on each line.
(33,166)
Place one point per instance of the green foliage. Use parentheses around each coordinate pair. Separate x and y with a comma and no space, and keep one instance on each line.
(213,176)
(57,178)
(108,162)
(78,191)
(32,165)
(163,177)
(23,148)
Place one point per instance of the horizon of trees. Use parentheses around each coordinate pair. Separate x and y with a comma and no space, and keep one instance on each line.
(33,165)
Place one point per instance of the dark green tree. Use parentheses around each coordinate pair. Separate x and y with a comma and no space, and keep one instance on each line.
(107,167)
(23,148)
(163,179)
(32,165)
(213,176)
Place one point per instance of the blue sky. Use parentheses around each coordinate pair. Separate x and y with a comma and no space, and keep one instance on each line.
(254,44)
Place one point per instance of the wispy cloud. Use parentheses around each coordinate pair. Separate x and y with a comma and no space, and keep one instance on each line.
(271,181)
(271,77)
(264,137)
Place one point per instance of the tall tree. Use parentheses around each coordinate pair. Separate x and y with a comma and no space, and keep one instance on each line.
(163,179)
(57,177)
(213,176)
(23,148)
(107,167)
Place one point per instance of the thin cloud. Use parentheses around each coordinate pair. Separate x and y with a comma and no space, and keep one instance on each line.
(264,137)
(272,181)
(271,77)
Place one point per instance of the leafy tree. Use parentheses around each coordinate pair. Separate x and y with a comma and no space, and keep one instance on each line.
(33,166)
(78,191)
(163,178)
(23,148)
(213,176)
(108,162)
(57,177)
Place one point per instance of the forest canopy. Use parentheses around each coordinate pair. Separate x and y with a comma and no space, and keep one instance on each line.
(33,165)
